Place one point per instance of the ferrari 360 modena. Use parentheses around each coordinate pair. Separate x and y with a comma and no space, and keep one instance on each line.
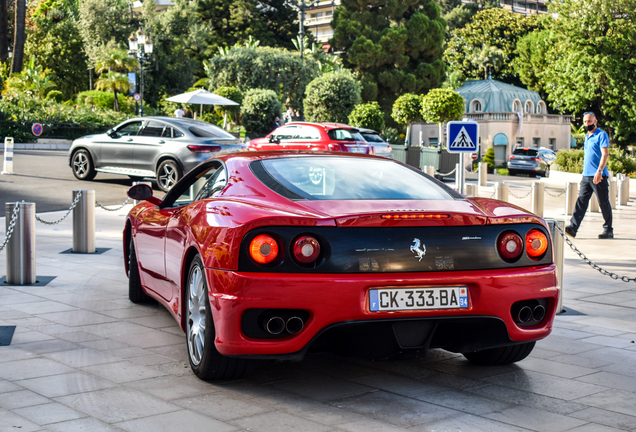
(270,255)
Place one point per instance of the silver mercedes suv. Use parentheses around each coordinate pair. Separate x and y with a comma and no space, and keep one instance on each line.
(161,148)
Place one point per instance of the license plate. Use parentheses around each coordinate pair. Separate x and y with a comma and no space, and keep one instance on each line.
(395,299)
(358,149)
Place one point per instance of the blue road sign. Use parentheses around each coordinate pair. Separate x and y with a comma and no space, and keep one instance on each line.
(463,137)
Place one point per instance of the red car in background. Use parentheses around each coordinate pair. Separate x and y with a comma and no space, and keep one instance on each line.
(314,136)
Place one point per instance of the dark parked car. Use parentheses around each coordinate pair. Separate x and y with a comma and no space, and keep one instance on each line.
(164,148)
(381,147)
(533,161)
(270,255)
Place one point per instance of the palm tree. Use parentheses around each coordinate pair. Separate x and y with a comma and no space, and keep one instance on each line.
(488,57)
(20,36)
(113,81)
(4,31)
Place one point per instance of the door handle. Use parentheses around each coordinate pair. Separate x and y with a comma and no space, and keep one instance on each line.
(161,142)
(129,139)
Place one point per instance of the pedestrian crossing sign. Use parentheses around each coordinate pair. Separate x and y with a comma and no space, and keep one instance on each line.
(463,136)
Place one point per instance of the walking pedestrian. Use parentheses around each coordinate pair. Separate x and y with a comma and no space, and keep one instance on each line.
(276,122)
(179,113)
(595,178)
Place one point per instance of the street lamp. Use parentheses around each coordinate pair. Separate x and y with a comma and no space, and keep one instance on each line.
(140,47)
(302,7)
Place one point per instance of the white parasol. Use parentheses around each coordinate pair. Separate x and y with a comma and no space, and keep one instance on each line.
(202,97)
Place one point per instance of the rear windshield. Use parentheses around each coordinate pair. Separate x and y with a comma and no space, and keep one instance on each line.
(346,178)
(525,152)
(369,137)
(344,135)
(208,131)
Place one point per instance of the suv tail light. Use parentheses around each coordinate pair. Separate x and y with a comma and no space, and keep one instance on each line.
(536,159)
(511,157)
(306,249)
(510,245)
(198,148)
(334,147)
(264,249)
(536,244)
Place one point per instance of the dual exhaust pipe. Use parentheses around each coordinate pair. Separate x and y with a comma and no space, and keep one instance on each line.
(276,325)
(527,314)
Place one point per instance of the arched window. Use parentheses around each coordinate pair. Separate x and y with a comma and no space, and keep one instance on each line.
(476,106)
(529,109)
(500,139)
(516,106)
(541,108)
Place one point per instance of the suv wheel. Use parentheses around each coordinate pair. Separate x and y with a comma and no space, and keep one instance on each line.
(168,174)
(82,165)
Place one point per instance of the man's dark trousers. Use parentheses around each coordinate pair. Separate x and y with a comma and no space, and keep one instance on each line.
(586,189)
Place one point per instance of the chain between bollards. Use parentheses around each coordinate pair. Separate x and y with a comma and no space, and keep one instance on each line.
(73,204)
(113,209)
(14,217)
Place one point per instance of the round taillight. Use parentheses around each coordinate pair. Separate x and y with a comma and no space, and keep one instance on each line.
(536,244)
(510,246)
(264,249)
(306,249)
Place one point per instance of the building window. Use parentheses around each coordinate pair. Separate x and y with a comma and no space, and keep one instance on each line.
(432,142)
(500,139)
(529,107)
(536,142)
(516,106)
(541,109)
(552,143)
(520,141)
(328,13)
(476,106)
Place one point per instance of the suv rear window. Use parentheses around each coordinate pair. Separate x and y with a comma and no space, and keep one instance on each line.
(344,135)
(208,131)
(374,138)
(525,152)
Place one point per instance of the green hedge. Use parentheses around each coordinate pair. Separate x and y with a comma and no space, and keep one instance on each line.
(105,100)
(572,161)
(259,109)
(331,97)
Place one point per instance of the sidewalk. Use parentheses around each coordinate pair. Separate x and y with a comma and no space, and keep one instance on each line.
(84,358)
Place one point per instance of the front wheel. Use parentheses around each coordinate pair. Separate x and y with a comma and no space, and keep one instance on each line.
(501,355)
(82,164)
(205,360)
(168,174)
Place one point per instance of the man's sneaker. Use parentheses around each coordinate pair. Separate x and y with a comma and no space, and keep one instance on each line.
(569,230)
(606,234)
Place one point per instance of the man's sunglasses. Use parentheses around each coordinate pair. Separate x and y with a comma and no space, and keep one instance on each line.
(590,113)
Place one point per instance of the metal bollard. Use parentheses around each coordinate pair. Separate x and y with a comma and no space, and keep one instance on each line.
(21,245)
(623,190)
(613,192)
(471,189)
(8,156)
(538,195)
(571,194)
(84,222)
(483,173)
(501,191)
(430,170)
(594,207)
(558,246)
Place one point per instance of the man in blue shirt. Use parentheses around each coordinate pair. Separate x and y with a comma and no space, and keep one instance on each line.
(595,178)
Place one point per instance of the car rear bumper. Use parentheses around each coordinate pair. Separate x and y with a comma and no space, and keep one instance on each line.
(525,167)
(332,300)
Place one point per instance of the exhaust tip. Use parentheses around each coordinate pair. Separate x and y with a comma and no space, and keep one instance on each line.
(538,313)
(294,325)
(275,325)
(525,314)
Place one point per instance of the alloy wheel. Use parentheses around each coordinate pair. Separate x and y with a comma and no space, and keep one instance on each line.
(196,315)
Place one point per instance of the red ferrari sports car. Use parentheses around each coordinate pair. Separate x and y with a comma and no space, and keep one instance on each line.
(274,254)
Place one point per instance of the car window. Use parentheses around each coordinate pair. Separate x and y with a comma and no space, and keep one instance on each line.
(308,133)
(167,132)
(176,133)
(213,185)
(192,193)
(152,129)
(202,130)
(370,137)
(344,135)
(525,152)
(285,132)
(129,129)
(344,178)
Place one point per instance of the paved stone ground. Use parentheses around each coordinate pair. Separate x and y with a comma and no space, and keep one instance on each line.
(84,358)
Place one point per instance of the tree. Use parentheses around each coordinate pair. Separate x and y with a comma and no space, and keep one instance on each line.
(55,41)
(113,81)
(407,110)
(331,97)
(460,16)
(487,58)
(494,27)
(260,108)
(34,81)
(393,47)
(20,36)
(586,66)
(368,115)
(441,106)
(248,68)
(530,61)
(4,31)
(233,111)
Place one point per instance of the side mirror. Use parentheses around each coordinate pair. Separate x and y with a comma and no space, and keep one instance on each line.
(111,133)
(273,139)
(143,192)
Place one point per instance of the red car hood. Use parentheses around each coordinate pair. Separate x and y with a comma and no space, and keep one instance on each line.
(371,212)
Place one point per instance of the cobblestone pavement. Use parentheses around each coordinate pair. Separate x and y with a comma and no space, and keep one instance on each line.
(83,358)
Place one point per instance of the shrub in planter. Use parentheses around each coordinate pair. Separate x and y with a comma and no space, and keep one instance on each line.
(331,97)
(104,100)
(368,115)
(260,108)
(489,158)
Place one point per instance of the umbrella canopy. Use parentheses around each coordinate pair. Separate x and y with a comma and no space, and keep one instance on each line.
(202,97)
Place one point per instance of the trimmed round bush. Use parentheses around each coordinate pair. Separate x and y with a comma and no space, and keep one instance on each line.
(259,109)
(406,109)
(442,105)
(331,97)
(368,115)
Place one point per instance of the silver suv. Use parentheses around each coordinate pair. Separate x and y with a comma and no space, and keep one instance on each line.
(162,148)
(533,161)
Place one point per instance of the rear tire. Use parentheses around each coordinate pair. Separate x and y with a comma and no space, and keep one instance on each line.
(136,293)
(512,172)
(205,361)
(82,165)
(501,355)
(168,174)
